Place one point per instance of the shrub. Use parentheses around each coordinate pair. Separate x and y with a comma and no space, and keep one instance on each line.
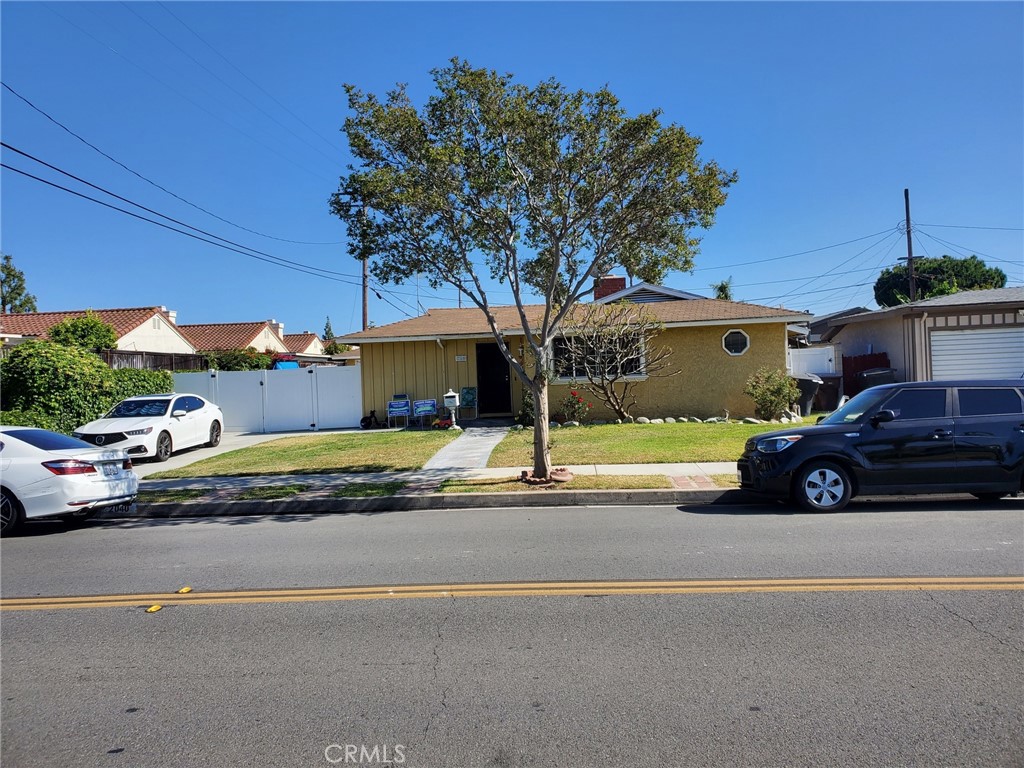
(19,418)
(773,392)
(239,360)
(131,382)
(87,332)
(67,384)
(526,412)
(574,407)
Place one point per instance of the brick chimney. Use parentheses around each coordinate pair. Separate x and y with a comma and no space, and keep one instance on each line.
(607,285)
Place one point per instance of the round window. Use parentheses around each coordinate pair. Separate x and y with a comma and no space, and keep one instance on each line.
(735,342)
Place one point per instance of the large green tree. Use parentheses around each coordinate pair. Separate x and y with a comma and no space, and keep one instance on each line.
(936,277)
(13,295)
(538,188)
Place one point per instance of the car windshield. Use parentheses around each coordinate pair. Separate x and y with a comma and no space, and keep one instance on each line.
(130,408)
(48,441)
(856,407)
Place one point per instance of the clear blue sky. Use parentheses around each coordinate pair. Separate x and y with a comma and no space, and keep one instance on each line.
(827,111)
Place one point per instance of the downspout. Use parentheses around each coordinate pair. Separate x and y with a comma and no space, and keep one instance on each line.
(444,364)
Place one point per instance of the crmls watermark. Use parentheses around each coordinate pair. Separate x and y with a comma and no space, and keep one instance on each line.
(360,754)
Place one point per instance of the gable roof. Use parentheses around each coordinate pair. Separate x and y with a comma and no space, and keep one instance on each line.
(39,324)
(646,293)
(469,322)
(300,342)
(996,298)
(221,337)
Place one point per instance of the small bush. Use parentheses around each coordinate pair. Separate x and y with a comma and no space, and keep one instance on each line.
(574,407)
(239,360)
(773,392)
(131,382)
(526,412)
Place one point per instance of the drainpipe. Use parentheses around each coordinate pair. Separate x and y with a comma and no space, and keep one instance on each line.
(444,363)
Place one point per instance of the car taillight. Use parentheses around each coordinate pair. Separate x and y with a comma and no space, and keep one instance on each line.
(70,467)
(127,464)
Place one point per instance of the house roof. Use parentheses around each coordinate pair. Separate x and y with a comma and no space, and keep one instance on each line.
(645,293)
(299,342)
(470,322)
(124,321)
(216,337)
(996,298)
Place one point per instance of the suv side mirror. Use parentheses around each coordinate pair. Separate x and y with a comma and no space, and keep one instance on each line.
(881,417)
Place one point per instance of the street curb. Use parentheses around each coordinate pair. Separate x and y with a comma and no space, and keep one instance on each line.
(434,501)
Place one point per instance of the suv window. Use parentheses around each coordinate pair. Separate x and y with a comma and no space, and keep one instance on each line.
(918,404)
(989,402)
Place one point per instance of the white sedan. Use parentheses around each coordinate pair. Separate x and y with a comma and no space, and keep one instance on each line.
(46,474)
(157,425)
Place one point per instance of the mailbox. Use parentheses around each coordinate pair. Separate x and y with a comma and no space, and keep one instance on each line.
(451,399)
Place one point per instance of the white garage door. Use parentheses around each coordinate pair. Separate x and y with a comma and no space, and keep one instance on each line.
(978,353)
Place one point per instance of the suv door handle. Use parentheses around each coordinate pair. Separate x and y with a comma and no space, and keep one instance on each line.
(941,433)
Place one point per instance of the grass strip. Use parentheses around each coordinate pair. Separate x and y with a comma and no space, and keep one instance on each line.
(270,492)
(726,481)
(368,490)
(171,495)
(578,483)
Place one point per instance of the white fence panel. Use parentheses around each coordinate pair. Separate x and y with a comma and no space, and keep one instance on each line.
(339,397)
(289,400)
(812,360)
(281,401)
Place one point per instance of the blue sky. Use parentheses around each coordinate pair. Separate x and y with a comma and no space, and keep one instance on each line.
(826,110)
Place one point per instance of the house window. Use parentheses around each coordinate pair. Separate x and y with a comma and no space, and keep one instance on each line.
(625,359)
(735,342)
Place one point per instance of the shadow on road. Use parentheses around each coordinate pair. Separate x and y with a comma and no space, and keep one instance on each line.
(865,505)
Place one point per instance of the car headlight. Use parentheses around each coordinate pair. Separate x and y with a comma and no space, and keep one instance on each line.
(776,444)
(135,432)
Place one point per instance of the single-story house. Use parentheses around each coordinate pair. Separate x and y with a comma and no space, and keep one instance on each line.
(262,335)
(139,329)
(716,345)
(970,335)
(304,343)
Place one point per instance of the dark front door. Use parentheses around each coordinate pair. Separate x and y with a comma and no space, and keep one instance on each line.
(494,393)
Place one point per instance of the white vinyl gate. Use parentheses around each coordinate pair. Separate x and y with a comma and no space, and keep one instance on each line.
(288,400)
(978,353)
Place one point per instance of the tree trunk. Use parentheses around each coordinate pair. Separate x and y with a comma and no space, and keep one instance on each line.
(541,429)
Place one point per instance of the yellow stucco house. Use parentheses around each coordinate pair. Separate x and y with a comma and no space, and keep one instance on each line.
(715,344)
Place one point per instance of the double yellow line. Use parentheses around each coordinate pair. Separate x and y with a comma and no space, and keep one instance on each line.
(518,589)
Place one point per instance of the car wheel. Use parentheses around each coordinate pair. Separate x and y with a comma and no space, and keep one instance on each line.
(10,513)
(215,433)
(163,447)
(823,487)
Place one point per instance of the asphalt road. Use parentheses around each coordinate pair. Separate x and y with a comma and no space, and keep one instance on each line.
(760,673)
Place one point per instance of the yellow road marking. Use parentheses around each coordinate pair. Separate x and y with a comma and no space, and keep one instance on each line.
(520,589)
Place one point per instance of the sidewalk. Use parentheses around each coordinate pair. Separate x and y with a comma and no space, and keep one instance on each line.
(463,458)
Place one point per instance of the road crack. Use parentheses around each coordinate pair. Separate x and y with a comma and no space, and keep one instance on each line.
(975,627)
(436,650)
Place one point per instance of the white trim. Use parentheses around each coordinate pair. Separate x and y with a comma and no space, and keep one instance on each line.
(668,293)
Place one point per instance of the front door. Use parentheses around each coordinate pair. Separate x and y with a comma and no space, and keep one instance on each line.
(494,392)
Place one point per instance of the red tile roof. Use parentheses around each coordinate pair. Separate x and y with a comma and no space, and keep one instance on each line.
(39,323)
(222,337)
(299,342)
(470,321)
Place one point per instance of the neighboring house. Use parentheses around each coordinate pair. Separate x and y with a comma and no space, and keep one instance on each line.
(351,356)
(304,343)
(262,335)
(716,345)
(965,335)
(138,329)
(821,332)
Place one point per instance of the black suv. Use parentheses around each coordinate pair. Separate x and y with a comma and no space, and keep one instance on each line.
(916,437)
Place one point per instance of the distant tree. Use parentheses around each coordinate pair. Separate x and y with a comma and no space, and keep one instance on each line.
(87,332)
(331,347)
(328,331)
(936,277)
(536,187)
(13,296)
(604,347)
(723,290)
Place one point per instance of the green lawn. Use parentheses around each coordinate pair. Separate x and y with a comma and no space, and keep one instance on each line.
(321,454)
(632,444)
(578,483)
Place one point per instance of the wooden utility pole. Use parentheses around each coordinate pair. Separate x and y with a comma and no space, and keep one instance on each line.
(366,292)
(910,249)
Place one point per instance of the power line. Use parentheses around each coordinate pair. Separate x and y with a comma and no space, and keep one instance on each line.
(964,226)
(276,261)
(793,255)
(964,249)
(153,183)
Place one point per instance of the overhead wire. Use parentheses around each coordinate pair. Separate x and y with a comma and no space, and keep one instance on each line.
(153,183)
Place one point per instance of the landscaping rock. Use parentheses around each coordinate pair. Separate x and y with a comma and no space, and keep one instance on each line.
(643,420)
(669,420)
(571,424)
(555,425)
(752,420)
(657,421)
(518,427)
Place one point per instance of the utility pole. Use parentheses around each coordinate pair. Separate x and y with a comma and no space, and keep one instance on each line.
(910,249)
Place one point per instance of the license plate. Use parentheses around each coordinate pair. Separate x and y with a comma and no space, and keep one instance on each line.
(118,509)
(110,470)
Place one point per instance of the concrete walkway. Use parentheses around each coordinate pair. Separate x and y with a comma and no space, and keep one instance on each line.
(470,450)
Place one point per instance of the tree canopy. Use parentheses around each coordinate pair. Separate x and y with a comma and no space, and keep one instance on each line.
(538,188)
(13,295)
(936,277)
(89,333)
